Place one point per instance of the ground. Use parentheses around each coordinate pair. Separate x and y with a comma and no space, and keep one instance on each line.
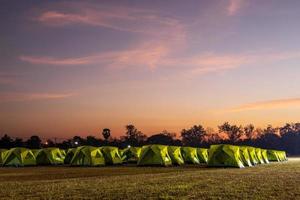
(273,181)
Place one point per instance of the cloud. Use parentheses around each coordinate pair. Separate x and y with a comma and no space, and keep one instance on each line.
(149,55)
(272,104)
(116,18)
(234,6)
(16,97)
(7,78)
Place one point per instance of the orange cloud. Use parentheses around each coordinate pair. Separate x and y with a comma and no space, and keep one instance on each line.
(272,104)
(234,6)
(13,96)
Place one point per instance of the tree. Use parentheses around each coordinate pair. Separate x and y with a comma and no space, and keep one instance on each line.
(133,136)
(91,140)
(233,132)
(164,138)
(18,142)
(106,133)
(193,136)
(249,131)
(6,142)
(34,142)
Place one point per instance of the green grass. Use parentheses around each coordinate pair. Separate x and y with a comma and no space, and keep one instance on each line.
(273,181)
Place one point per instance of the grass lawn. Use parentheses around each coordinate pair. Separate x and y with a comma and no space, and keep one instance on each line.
(273,181)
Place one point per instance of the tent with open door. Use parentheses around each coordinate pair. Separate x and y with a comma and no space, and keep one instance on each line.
(190,155)
(87,156)
(245,156)
(69,155)
(130,154)
(175,155)
(19,156)
(154,155)
(49,156)
(202,154)
(111,155)
(224,155)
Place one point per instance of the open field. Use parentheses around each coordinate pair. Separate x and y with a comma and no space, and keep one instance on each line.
(273,181)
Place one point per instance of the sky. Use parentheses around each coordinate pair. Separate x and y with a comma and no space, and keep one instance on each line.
(75,67)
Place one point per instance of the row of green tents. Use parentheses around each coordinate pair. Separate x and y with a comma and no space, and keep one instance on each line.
(149,155)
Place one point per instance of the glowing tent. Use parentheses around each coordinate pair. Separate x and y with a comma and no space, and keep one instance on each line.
(69,155)
(245,156)
(2,154)
(19,157)
(175,155)
(224,155)
(272,155)
(265,156)
(154,155)
(49,156)
(111,155)
(131,154)
(87,156)
(252,155)
(202,155)
(190,155)
(259,156)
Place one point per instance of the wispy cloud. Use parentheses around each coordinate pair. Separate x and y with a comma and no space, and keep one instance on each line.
(15,96)
(271,104)
(7,78)
(116,18)
(234,6)
(147,55)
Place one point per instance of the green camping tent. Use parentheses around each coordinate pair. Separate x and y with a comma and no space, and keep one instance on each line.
(272,155)
(252,155)
(49,156)
(202,155)
(69,155)
(175,155)
(87,156)
(190,155)
(19,157)
(245,156)
(259,156)
(224,155)
(63,152)
(264,154)
(154,155)
(130,154)
(281,155)
(2,154)
(111,155)
(35,151)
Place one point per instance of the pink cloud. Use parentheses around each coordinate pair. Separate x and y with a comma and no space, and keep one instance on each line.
(234,6)
(271,104)
(14,96)
(116,18)
(149,55)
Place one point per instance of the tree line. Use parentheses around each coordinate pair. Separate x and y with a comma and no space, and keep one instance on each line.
(285,138)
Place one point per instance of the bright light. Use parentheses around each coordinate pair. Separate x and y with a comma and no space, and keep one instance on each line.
(76,142)
(46,143)
(128,146)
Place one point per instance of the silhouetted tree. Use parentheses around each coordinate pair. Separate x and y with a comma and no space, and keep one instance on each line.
(249,131)
(91,140)
(106,133)
(133,136)
(164,138)
(193,136)
(233,132)
(34,142)
(6,142)
(18,142)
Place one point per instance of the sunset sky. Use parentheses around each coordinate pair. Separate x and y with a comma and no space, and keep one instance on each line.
(75,67)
